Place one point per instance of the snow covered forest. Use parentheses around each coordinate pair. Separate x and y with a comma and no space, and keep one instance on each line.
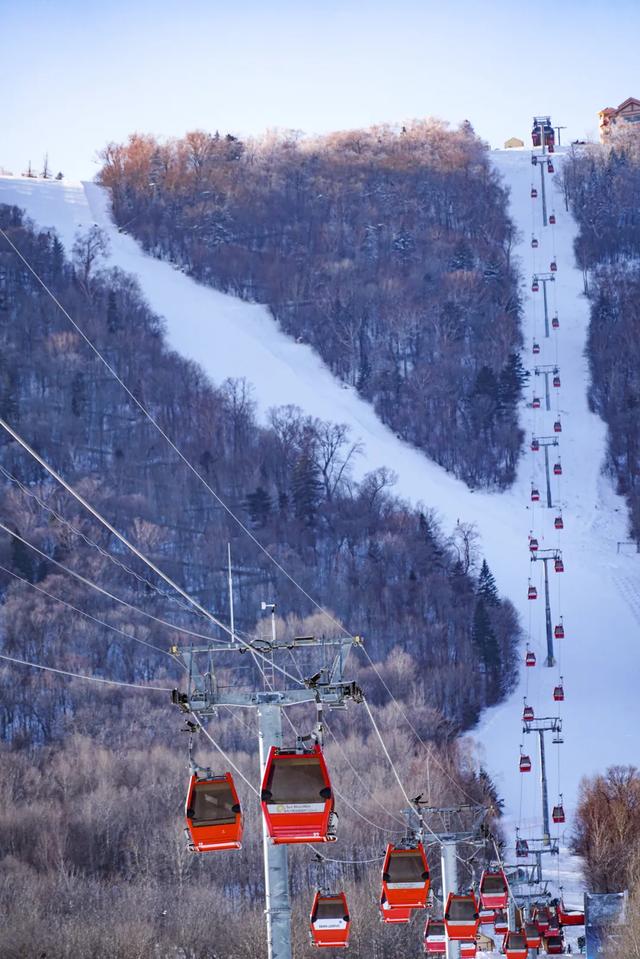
(388,250)
(71,754)
(603,187)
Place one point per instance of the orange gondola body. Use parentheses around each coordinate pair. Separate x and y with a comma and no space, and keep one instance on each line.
(558,693)
(394,915)
(213,813)
(493,884)
(532,934)
(468,949)
(527,717)
(530,658)
(329,921)
(542,916)
(558,631)
(405,876)
(532,593)
(533,544)
(558,522)
(487,916)
(462,917)
(297,799)
(525,763)
(435,937)
(515,946)
(570,917)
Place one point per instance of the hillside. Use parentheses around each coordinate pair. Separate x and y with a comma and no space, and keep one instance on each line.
(388,250)
(599,587)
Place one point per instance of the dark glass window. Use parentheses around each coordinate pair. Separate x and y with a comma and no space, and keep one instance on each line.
(212,804)
(406,866)
(296,780)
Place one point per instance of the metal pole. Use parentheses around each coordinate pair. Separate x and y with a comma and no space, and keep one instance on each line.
(276,864)
(545,794)
(544,197)
(547,397)
(231,611)
(546,309)
(449,867)
(548,477)
(550,660)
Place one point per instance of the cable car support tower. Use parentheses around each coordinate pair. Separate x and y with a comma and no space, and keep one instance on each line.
(545,556)
(541,726)
(326,688)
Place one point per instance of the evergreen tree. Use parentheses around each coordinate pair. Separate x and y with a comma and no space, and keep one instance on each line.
(258,504)
(306,488)
(487,588)
(485,641)
(113,319)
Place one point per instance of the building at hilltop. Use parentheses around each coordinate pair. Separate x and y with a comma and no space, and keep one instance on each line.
(610,117)
(513,143)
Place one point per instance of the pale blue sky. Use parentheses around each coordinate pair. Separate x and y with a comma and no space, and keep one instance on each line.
(74,75)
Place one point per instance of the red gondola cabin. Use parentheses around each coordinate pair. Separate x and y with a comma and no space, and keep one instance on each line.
(530,658)
(528,716)
(213,814)
(552,219)
(536,349)
(532,934)
(553,266)
(405,877)
(525,764)
(435,937)
(550,167)
(557,427)
(556,381)
(535,286)
(558,693)
(330,921)
(536,135)
(558,631)
(570,917)
(297,799)
(501,922)
(542,916)
(555,323)
(462,917)
(515,946)
(535,403)
(558,522)
(557,814)
(534,193)
(553,945)
(535,445)
(558,565)
(493,884)
(534,242)
(532,593)
(535,494)
(557,468)
(533,544)
(468,949)
(522,850)
(487,916)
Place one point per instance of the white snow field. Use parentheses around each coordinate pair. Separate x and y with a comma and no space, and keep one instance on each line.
(598,594)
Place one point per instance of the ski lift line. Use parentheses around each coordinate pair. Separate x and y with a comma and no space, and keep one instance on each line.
(134,549)
(89,542)
(434,757)
(225,755)
(81,612)
(168,439)
(105,522)
(105,592)
(91,679)
(374,825)
(346,862)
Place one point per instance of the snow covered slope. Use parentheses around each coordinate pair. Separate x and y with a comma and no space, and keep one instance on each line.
(598,595)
